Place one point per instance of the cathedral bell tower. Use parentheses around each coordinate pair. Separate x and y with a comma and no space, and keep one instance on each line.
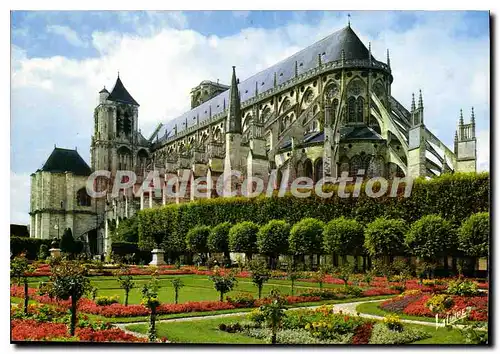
(114,142)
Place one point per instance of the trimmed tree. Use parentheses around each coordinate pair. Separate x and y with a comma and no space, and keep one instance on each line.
(126,282)
(272,239)
(67,243)
(18,268)
(223,283)
(151,301)
(344,237)
(196,240)
(306,237)
(243,238)
(218,239)
(177,283)
(385,238)
(69,280)
(430,238)
(260,274)
(473,235)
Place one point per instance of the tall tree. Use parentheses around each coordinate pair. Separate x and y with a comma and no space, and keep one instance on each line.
(306,237)
(243,238)
(218,239)
(344,237)
(272,239)
(385,238)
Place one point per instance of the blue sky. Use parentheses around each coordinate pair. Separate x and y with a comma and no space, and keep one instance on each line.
(60,60)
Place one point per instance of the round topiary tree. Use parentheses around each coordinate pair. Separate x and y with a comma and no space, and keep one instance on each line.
(243,238)
(218,239)
(344,237)
(385,238)
(473,235)
(430,238)
(196,239)
(306,237)
(272,239)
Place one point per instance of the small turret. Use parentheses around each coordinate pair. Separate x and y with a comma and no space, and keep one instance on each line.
(412,102)
(388,59)
(103,95)
(234,110)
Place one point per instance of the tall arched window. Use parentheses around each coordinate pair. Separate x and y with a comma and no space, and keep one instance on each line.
(318,169)
(142,157)
(308,169)
(376,167)
(356,165)
(343,165)
(82,198)
(351,109)
(360,102)
(124,158)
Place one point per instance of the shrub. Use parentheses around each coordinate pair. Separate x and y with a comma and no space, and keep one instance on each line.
(393,323)
(383,335)
(28,246)
(241,300)
(439,304)
(243,238)
(257,317)
(223,283)
(196,239)
(430,238)
(385,237)
(462,288)
(343,236)
(106,300)
(363,333)
(67,243)
(473,235)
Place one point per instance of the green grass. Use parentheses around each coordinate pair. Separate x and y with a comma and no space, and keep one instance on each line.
(197,288)
(200,331)
(439,336)
(206,331)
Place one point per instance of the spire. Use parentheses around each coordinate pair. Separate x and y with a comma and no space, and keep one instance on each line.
(296,69)
(388,58)
(472,117)
(461,121)
(319,59)
(342,55)
(349,20)
(256,88)
(234,111)
(275,79)
(456,136)
(420,101)
(120,94)
(412,102)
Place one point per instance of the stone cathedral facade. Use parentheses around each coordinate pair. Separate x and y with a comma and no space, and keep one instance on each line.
(324,110)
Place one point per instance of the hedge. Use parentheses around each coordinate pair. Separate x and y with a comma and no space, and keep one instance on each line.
(124,248)
(452,196)
(31,246)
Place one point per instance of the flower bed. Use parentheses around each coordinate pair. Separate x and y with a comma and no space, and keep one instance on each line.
(414,305)
(31,330)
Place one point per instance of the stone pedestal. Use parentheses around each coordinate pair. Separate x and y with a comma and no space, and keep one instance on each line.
(158,257)
(55,252)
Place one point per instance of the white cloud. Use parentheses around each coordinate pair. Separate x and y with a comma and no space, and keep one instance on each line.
(19,198)
(67,33)
(53,98)
(483,150)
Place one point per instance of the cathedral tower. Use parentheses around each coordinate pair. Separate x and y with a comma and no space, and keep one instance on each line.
(465,144)
(115,140)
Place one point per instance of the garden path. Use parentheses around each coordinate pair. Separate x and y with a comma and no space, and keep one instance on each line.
(347,308)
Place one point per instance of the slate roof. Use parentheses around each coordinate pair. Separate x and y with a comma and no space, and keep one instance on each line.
(359,133)
(330,49)
(120,94)
(66,160)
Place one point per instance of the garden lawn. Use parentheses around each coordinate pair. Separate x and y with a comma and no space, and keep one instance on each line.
(206,331)
(199,331)
(197,288)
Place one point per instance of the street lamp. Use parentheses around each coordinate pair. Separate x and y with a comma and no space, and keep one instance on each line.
(56,227)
